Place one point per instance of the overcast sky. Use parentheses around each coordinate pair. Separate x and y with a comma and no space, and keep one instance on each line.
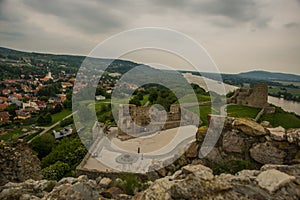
(240,35)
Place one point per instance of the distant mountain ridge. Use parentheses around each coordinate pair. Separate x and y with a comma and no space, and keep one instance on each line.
(271,76)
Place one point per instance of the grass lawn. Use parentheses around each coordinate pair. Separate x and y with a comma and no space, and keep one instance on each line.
(242,111)
(190,98)
(104,100)
(204,111)
(282,118)
(232,111)
(59,116)
(12,134)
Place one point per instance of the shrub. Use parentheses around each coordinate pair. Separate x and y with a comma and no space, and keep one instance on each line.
(130,184)
(56,171)
(42,145)
(232,167)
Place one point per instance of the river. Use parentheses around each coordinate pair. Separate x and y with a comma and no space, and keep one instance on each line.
(289,106)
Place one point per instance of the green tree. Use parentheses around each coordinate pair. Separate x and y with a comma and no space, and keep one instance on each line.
(56,171)
(135,101)
(48,91)
(11,109)
(66,122)
(44,119)
(58,108)
(153,96)
(67,104)
(70,150)
(43,145)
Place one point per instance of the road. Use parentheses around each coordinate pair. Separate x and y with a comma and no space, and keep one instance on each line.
(49,128)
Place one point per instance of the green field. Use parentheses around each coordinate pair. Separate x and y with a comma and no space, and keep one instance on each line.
(59,116)
(190,98)
(232,111)
(282,118)
(204,112)
(276,89)
(13,134)
(288,83)
(242,111)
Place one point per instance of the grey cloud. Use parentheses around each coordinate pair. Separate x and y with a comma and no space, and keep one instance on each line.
(7,12)
(238,11)
(88,16)
(291,25)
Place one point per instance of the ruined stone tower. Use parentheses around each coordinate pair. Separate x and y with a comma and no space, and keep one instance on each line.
(256,97)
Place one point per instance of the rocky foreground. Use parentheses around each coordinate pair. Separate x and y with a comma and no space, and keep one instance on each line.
(190,182)
(272,154)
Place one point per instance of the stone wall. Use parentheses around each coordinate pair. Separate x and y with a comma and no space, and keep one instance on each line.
(256,97)
(135,120)
(243,142)
(18,163)
(246,140)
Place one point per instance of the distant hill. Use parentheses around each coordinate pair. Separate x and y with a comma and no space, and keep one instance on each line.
(13,63)
(271,76)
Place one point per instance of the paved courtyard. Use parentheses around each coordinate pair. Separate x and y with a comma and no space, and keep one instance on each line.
(138,154)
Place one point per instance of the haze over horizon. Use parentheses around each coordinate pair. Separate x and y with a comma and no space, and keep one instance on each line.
(240,35)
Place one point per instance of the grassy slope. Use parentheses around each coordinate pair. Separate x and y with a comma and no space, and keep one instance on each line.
(282,118)
(242,111)
(204,111)
(59,116)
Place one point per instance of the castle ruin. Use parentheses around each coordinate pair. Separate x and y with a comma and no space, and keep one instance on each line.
(146,120)
(256,97)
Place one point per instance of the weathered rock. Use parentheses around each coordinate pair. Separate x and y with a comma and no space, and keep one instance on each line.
(160,189)
(105,182)
(162,171)
(272,180)
(112,192)
(18,163)
(30,189)
(277,133)
(249,127)
(194,187)
(242,177)
(266,153)
(266,124)
(201,133)
(191,182)
(215,156)
(69,180)
(81,190)
(192,151)
(198,170)
(293,170)
(198,182)
(232,142)
(293,136)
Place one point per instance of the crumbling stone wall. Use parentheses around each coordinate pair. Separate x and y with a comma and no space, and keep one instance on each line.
(135,118)
(255,97)
(18,163)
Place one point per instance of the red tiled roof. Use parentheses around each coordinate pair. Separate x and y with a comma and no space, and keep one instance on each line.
(44,79)
(3,106)
(4,116)
(18,96)
(4,99)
